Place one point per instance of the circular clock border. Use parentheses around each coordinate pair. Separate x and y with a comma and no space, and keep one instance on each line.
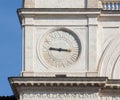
(40,41)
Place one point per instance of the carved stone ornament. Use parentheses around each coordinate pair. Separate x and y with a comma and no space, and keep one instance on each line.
(65,96)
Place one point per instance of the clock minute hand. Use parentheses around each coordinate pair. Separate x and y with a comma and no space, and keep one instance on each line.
(66,50)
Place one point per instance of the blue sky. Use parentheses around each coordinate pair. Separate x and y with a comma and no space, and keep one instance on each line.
(10,44)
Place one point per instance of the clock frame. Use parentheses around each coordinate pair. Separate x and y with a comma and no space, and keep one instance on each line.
(59,49)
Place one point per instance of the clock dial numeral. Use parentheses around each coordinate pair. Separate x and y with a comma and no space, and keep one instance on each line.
(73,57)
(49,59)
(51,36)
(58,64)
(47,41)
(59,34)
(45,47)
(69,62)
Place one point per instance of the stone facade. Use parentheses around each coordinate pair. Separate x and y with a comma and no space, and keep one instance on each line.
(95,74)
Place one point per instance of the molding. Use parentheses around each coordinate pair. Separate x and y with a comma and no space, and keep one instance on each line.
(99,85)
(110,0)
(32,12)
(112,13)
(58,10)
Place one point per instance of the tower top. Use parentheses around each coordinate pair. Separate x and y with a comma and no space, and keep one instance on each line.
(61,3)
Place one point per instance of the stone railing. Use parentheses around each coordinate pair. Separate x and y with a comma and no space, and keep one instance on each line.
(110,4)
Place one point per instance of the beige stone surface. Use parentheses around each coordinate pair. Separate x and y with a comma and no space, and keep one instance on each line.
(97,31)
(92,3)
(28,3)
(54,3)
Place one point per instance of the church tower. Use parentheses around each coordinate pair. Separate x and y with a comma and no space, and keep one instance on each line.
(65,50)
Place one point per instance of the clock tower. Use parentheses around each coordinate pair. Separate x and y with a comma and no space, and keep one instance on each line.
(62,50)
(59,38)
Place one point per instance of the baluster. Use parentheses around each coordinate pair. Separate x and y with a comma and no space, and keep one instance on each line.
(118,6)
(113,6)
(104,5)
(108,5)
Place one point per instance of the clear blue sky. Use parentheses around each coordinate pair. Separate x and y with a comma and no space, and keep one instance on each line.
(10,44)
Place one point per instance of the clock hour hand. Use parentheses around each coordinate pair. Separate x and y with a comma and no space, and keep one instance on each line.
(55,49)
(60,49)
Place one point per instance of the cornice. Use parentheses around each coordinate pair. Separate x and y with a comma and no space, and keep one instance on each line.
(57,81)
(33,12)
(102,84)
(39,11)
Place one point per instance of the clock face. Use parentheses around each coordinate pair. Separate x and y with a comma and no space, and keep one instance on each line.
(59,49)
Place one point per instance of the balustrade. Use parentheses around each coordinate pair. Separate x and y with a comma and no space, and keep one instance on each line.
(110,4)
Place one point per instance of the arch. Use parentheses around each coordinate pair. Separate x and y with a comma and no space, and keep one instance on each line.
(109,63)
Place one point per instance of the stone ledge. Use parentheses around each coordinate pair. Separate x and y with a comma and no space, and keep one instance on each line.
(57,78)
(44,11)
(100,84)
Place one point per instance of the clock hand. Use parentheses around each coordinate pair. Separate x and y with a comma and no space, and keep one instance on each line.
(60,49)
(51,48)
(66,50)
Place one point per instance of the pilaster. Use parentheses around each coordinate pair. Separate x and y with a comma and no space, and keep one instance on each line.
(92,39)
(28,44)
